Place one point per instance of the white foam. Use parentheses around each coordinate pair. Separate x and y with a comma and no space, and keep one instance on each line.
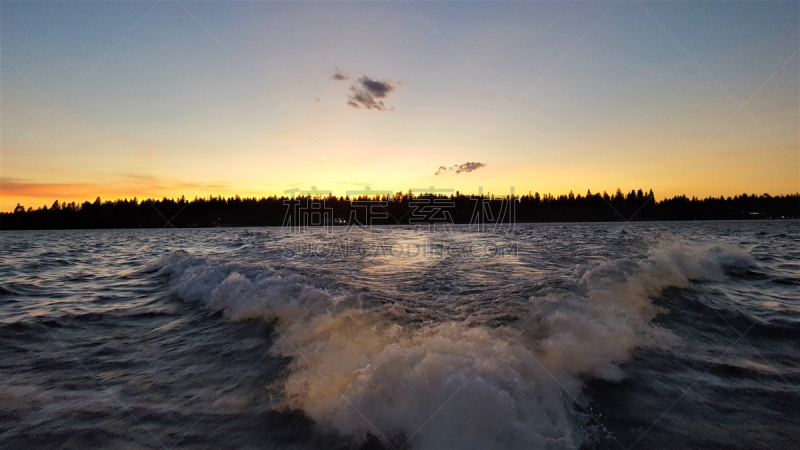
(485,389)
(455,384)
(244,292)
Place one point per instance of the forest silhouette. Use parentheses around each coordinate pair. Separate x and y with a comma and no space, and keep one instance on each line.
(400,208)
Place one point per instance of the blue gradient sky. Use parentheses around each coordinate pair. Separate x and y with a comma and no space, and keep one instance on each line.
(597,103)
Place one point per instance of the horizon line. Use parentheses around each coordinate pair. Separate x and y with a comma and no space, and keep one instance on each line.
(391,194)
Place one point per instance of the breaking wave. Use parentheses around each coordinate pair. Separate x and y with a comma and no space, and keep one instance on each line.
(360,368)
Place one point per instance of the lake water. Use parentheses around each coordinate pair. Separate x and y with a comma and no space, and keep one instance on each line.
(649,335)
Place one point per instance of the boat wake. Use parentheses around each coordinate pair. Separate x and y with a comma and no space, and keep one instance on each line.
(364,369)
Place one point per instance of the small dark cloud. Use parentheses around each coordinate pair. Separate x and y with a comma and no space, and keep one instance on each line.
(367,92)
(377,88)
(467,167)
(339,75)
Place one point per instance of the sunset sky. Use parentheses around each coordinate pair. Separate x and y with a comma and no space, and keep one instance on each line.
(169,99)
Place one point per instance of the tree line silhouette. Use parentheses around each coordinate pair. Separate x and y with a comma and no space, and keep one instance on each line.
(400,208)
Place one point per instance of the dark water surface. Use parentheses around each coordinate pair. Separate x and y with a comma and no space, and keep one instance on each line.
(656,335)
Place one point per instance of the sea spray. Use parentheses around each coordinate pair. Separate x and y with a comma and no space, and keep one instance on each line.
(362,369)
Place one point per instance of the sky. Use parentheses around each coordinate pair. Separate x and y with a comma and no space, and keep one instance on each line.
(123,99)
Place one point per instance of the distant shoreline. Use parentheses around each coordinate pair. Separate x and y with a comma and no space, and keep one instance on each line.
(400,209)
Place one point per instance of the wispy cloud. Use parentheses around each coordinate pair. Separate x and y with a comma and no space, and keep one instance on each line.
(460,168)
(145,186)
(367,92)
(339,75)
